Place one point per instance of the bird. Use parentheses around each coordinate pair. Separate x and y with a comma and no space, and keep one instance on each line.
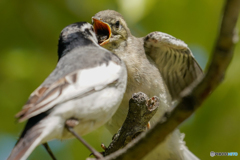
(158,65)
(83,91)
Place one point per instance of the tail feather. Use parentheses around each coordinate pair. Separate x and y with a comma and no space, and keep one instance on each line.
(188,155)
(24,147)
(29,139)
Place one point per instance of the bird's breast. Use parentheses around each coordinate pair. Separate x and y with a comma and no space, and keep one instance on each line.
(143,76)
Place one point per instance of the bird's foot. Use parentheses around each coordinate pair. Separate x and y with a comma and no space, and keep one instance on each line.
(72,122)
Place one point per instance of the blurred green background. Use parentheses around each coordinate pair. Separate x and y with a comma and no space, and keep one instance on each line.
(29,33)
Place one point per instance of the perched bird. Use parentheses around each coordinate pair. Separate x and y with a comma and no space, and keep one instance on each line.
(86,86)
(158,65)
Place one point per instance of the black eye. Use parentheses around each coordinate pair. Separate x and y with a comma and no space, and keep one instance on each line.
(117,24)
(92,29)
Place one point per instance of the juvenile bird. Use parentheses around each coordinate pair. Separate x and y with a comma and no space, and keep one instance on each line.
(86,88)
(158,65)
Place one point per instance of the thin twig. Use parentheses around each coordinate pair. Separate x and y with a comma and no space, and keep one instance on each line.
(46,146)
(94,152)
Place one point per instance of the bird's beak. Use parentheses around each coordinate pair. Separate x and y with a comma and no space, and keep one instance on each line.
(103,31)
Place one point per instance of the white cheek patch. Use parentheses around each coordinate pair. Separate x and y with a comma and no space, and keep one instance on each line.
(69,31)
(75,29)
(85,26)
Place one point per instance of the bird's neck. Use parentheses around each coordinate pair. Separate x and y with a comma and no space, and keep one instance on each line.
(66,47)
(119,48)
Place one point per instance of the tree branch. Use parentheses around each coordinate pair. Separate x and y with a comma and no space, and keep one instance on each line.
(194,95)
(141,110)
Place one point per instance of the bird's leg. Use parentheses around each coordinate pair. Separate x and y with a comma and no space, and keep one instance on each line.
(70,124)
(46,146)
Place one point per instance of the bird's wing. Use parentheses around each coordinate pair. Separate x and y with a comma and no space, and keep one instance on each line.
(74,85)
(174,60)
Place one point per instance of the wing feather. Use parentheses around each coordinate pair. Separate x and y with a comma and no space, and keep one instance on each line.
(174,60)
(74,85)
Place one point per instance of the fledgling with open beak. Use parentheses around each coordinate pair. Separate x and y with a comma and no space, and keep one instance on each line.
(86,86)
(158,65)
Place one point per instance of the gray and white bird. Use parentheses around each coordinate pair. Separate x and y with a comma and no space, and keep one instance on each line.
(87,85)
(158,65)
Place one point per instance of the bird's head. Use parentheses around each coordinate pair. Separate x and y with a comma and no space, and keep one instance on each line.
(75,35)
(110,27)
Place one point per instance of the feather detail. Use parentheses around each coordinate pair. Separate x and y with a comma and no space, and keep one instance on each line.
(174,60)
(42,97)
(29,139)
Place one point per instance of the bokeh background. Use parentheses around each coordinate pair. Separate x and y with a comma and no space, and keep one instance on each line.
(29,32)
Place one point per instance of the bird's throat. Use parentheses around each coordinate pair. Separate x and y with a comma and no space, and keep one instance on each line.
(117,47)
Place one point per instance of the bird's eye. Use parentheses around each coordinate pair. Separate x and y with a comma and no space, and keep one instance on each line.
(92,29)
(117,24)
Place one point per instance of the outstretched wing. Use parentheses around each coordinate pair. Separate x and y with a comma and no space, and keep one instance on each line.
(174,60)
(74,85)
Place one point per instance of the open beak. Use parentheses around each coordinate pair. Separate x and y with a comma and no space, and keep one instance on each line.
(103,31)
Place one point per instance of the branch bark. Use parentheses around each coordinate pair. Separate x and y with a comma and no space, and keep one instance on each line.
(194,95)
(141,110)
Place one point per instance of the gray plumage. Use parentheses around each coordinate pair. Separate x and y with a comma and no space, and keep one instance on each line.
(87,84)
(153,64)
(77,60)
